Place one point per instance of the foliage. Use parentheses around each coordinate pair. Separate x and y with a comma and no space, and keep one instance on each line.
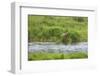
(51,28)
(52,56)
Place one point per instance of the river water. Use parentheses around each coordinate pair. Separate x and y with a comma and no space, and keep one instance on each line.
(57,48)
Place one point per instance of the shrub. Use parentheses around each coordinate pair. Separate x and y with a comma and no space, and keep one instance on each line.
(72,37)
(75,36)
(79,19)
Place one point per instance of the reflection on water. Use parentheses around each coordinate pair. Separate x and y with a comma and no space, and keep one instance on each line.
(52,47)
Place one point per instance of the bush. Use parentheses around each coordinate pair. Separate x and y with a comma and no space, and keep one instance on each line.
(72,37)
(79,19)
(75,36)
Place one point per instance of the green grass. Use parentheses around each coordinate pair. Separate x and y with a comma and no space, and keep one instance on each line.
(51,28)
(55,56)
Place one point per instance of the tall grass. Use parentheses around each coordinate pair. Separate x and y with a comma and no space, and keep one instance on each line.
(52,56)
(51,28)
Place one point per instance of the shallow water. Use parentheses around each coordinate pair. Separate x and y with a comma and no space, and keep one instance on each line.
(57,48)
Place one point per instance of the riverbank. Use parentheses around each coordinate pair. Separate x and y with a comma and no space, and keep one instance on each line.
(56,56)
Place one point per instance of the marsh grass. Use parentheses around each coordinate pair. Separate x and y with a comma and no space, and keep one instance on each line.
(55,56)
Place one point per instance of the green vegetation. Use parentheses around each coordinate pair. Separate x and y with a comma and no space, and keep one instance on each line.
(51,28)
(52,56)
(58,29)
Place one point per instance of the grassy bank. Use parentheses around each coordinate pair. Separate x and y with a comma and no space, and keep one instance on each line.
(51,28)
(52,56)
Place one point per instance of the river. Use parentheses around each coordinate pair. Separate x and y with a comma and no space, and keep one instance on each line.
(57,48)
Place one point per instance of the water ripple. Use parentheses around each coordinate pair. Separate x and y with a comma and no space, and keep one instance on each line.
(52,47)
